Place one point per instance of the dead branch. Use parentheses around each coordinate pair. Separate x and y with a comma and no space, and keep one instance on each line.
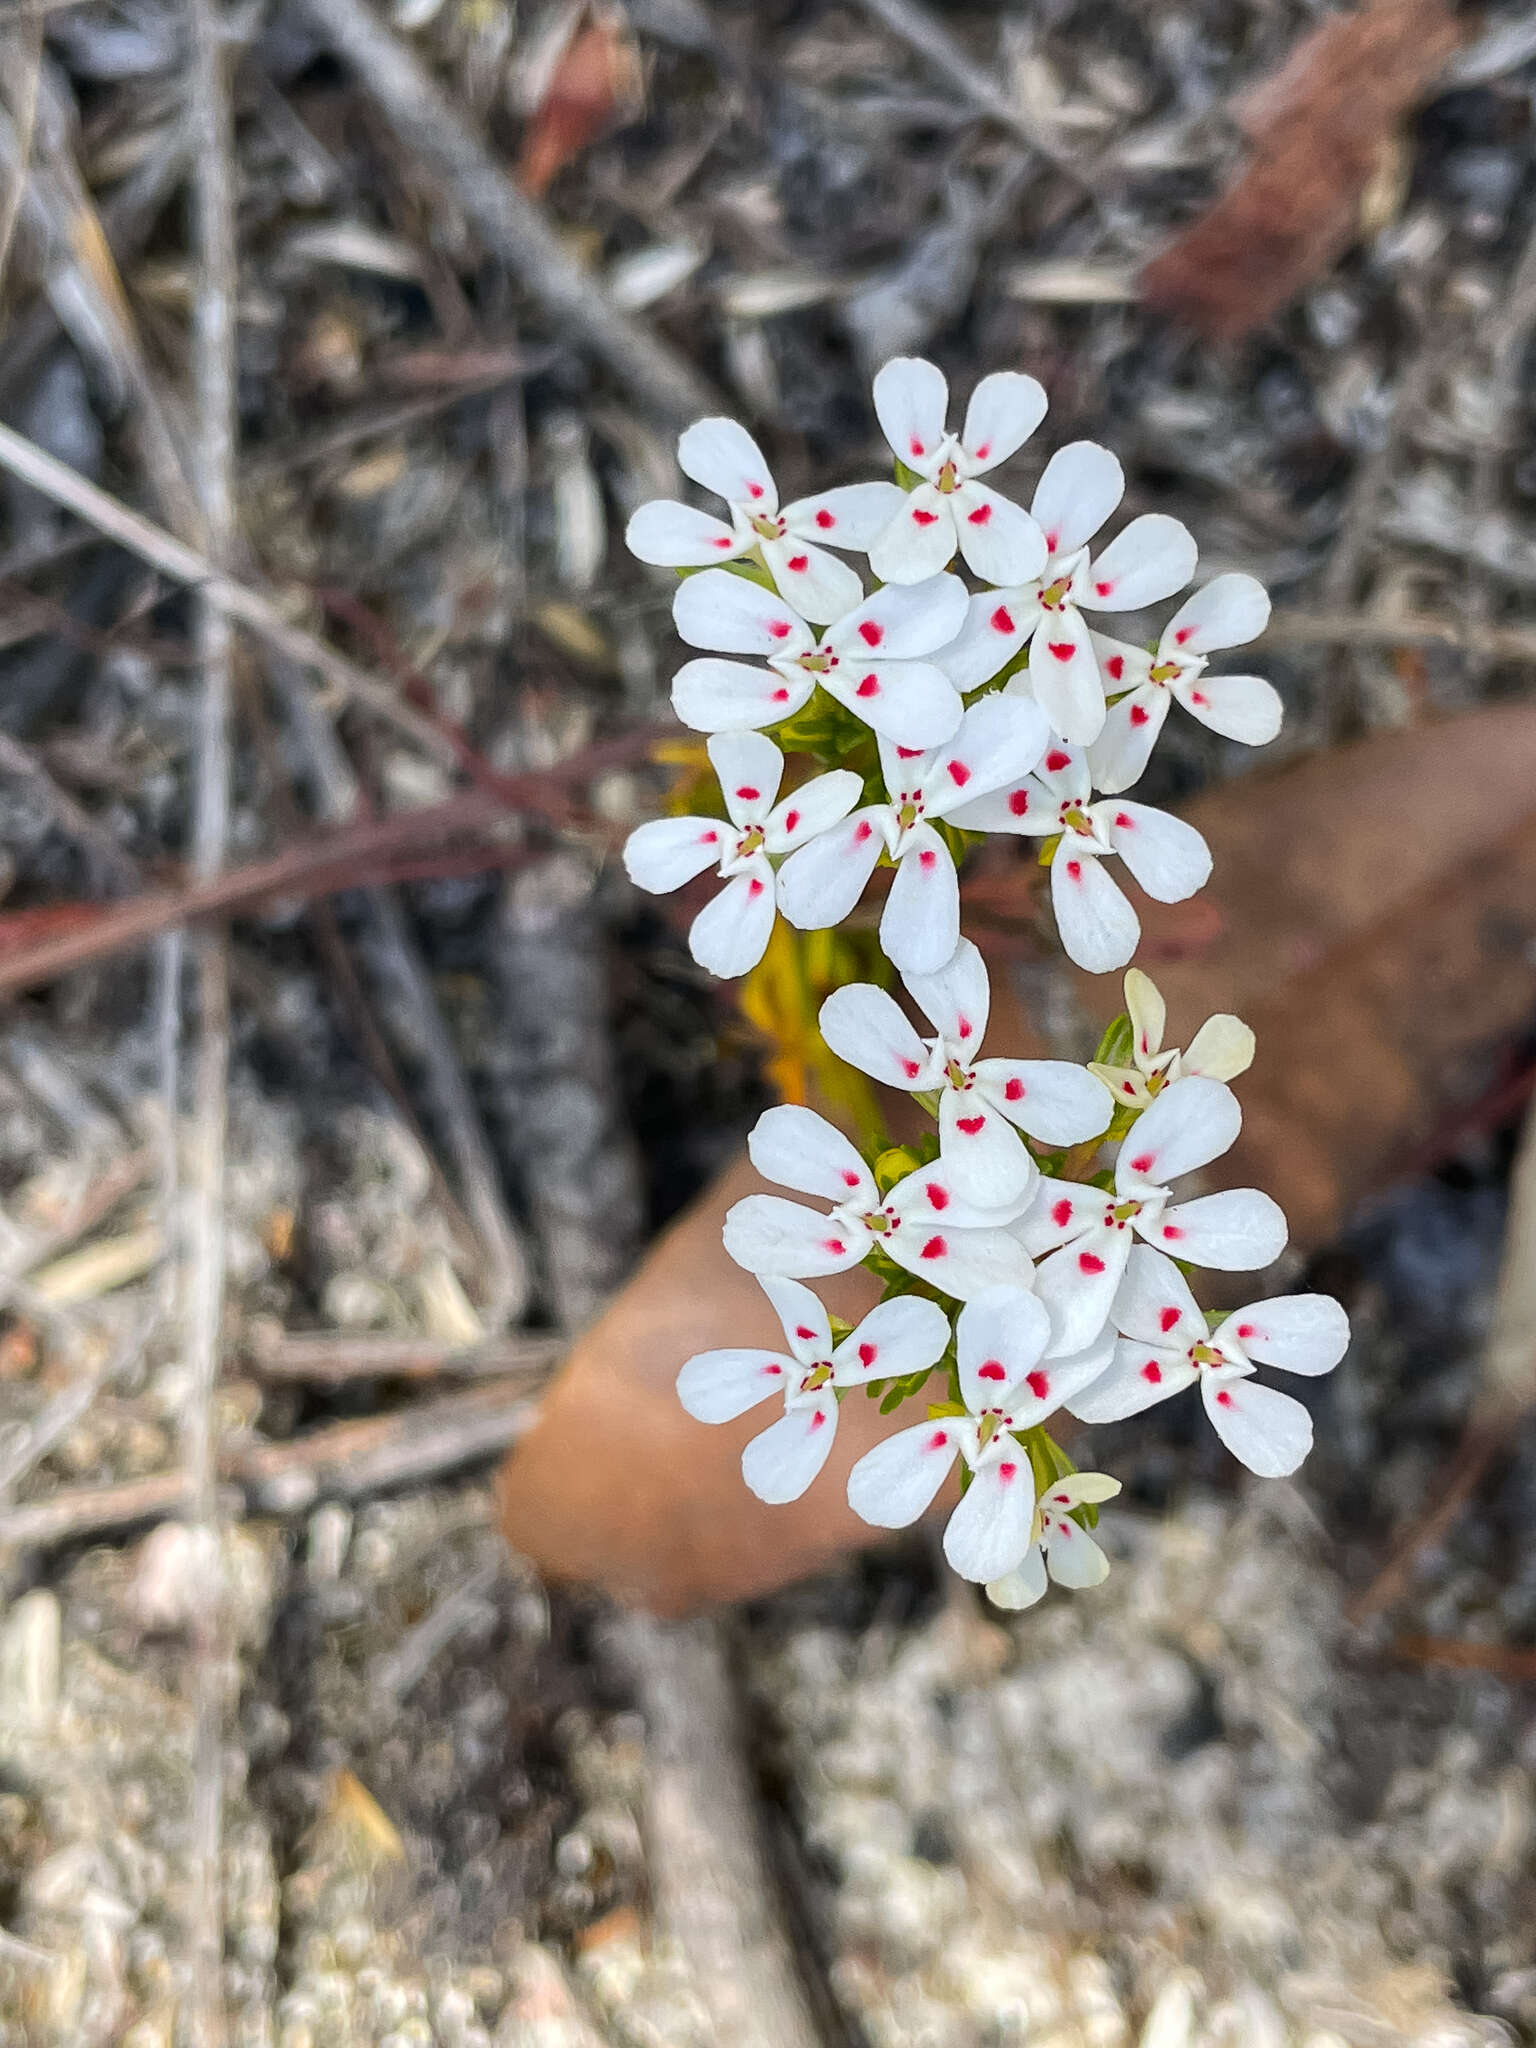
(328,1358)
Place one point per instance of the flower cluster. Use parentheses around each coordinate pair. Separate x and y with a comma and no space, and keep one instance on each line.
(1034,1246)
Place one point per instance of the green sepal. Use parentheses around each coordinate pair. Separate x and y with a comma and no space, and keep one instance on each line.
(1048,848)
(908,478)
(839,1328)
(1117,1048)
(928,1100)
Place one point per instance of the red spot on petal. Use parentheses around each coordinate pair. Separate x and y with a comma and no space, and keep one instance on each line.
(935,1248)
(867,1354)
(1124,820)
(1224,1399)
(1018,802)
(908,753)
(1089,1262)
(754,490)
(754,887)
(774,1371)
(937,1194)
(1038,1384)
(911,1069)
(708,838)
(791,820)
(1139,714)
(959,774)
(991,1370)
(938,1440)
(870,687)
(725,541)
(1152,1372)
(1246,1330)
(970,1124)
(818,1420)
(1007,1471)
(1103,589)
(863,831)
(1061,1215)
(1074,870)
(1062,649)
(1056,760)
(914,446)
(1143,1164)
(824,519)
(850,1178)
(1002,618)
(927,858)
(748,794)
(871,633)
(983,451)
(1116,666)
(1166,1318)
(1184,633)
(980,516)
(835,1246)
(1172,1230)
(1198,697)
(1013,1091)
(781,696)
(922,518)
(799,563)
(779,628)
(806,1336)
(963,1026)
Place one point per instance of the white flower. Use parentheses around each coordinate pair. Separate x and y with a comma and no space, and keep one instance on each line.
(730,934)
(1153,557)
(1166,1346)
(1228,612)
(1007,1385)
(1098,927)
(1089,1233)
(724,458)
(872,660)
(948,509)
(922,1223)
(999,739)
(980,1100)
(904,1335)
(1221,1049)
(1060,1545)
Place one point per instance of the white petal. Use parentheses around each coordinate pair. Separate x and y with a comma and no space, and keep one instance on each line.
(1305,1333)
(1005,409)
(781,1463)
(1222,1049)
(1073,1557)
(930,1196)
(867,1028)
(1064,771)
(1268,1432)
(770,1236)
(1054,1101)
(999,1338)
(802,1318)
(1079,1487)
(750,769)
(717,1386)
(1154,1304)
(1123,665)
(1118,757)
(1140,1376)
(1096,924)
(1148,1014)
(1189,1125)
(1243,708)
(732,614)
(920,925)
(675,536)
(722,456)
(1059,1210)
(1000,542)
(919,541)
(1023,806)
(997,623)
(957,1000)
(1229,612)
(999,741)
(731,933)
(1021,1587)
(1064,675)
(815,807)
(662,854)
(902,622)
(988,1533)
(821,882)
(817,584)
(903,1335)
(1235,1232)
(894,1483)
(911,703)
(960,1262)
(727,696)
(911,400)
(1078,489)
(848,517)
(1078,1285)
(1149,559)
(1169,858)
(981,1152)
(801,1150)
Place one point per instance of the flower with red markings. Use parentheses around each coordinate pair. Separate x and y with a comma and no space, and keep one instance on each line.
(1165,1346)
(901,1336)
(980,1101)
(1060,1546)
(1221,1049)
(731,933)
(1008,1385)
(723,457)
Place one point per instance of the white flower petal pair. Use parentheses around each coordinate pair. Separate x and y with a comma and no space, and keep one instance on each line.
(1083,1235)
(980,1101)
(1062,1547)
(906,1334)
(920,925)
(873,660)
(1228,612)
(1008,1384)
(1097,925)
(730,934)
(1166,1346)
(721,455)
(949,509)
(1221,1049)
(922,1223)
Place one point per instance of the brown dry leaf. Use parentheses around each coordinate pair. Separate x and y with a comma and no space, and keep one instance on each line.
(596,82)
(1372,915)
(1319,129)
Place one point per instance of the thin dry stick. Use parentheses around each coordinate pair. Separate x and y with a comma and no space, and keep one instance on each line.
(75,823)
(25,115)
(1294,626)
(329,1358)
(425,122)
(183,564)
(1510,330)
(59,1415)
